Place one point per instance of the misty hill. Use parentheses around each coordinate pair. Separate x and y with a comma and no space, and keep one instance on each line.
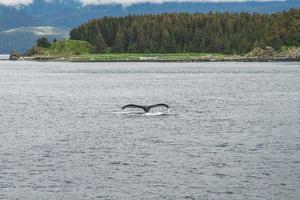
(23,37)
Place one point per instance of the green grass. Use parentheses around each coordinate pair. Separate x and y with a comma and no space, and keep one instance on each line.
(75,50)
(65,48)
(81,51)
(71,47)
(147,57)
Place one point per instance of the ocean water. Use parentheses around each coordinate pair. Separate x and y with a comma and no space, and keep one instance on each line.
(232,131)
(4,57)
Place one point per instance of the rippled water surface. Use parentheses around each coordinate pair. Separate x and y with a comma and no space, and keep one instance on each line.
(233,131)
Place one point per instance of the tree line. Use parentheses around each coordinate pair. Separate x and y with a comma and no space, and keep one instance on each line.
(182,32)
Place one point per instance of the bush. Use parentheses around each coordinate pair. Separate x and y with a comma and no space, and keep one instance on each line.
(43,42)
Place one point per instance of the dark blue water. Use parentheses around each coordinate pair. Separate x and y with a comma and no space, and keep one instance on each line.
(233,131)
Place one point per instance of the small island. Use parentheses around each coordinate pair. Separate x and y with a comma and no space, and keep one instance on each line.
(177,37)
(81,51)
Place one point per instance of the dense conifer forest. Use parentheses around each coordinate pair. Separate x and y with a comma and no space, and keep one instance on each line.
(181,32)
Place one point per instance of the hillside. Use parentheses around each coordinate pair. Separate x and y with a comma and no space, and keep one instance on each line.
(179,33)
(61,49)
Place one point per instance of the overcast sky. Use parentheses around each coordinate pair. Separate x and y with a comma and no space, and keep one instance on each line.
(123,2)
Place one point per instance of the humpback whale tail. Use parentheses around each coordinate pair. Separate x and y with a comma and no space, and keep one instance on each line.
(145,108)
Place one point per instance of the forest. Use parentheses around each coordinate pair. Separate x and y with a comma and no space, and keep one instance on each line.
(229,33)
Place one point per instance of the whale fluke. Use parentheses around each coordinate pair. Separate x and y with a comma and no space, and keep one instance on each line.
(132,106)
(159,105)
(145,108)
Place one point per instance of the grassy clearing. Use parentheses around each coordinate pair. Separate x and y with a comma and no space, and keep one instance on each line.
(63,49)
(71,47)
(147,57)
(81,51)
(74,50)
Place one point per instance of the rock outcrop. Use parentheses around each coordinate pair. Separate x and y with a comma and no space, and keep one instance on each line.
(268,53)
(14,55)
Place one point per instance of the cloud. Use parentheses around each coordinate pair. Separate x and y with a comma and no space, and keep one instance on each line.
(130,2)
(15,2)
(38,31)
(122,2)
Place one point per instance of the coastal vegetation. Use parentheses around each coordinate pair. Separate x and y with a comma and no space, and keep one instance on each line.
(227,33)
(76,50)
(179,37)
(59,49)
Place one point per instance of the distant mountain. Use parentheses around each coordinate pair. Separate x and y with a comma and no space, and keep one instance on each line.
(258,7)
(22,38)
(12,18)
(70,13)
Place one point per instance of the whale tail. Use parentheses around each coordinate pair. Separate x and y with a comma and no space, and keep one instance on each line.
(134,106)
(145,108)
(159,105)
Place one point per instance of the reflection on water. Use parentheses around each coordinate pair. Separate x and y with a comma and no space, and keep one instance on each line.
(232,131)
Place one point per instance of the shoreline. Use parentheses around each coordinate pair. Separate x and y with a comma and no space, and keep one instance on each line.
(286,54)
(76,60)
(80,51)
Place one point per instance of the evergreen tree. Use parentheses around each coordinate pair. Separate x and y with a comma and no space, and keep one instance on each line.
(43,42)
(182,32)
(141,39)
(198,41)
(119,42)
(100,45)
(168,44)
